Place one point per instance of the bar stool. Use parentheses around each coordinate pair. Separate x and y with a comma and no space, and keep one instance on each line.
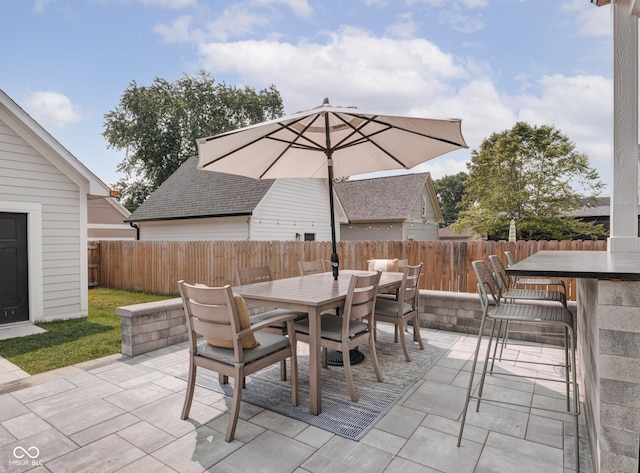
(520,281)
(496,311)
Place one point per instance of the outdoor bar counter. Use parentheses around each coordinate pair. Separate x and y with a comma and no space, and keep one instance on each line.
(608,328)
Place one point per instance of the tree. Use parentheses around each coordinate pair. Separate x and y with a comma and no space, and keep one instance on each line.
(535,176)
(450,190)
(158,125)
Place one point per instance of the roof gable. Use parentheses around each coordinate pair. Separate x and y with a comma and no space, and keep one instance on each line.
(33,133)
(383,198)
(193,193)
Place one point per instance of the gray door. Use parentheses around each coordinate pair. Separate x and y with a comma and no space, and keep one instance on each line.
(14,271)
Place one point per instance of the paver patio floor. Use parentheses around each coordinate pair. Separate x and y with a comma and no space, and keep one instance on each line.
(123,414)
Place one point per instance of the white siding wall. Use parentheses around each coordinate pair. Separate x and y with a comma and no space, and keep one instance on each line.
(419,226)
(27,179)
(372,231)
(226,228)
(294,206)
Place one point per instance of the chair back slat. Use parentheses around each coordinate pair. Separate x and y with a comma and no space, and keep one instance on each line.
(310,267)
(210,330)
(410,287)
(361,298)
(209,311)
(251,275)
(510,258)
(486,280)
(504,280)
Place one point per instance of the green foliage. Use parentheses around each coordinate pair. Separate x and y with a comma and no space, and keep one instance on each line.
(450,190)
(158,125)
(535,176)
(68,342)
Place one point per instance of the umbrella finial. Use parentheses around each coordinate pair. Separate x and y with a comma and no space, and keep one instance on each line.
(325,101)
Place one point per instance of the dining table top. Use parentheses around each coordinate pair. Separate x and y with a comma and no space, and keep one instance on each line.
(312,289)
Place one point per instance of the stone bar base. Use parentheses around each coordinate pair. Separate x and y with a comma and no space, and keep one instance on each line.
(609,350)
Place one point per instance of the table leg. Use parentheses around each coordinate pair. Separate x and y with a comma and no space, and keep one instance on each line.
(315,374)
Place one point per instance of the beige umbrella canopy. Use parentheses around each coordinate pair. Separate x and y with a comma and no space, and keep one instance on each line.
(327,142)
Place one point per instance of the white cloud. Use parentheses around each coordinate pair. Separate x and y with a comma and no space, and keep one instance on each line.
(172,4)
(580,107)
(52,109)
(300,8)
(352,66)
(39,5)
(588,19)
(179,30)
(404,27)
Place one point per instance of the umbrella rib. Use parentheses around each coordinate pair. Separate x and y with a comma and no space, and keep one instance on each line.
(290,144)
(252,142)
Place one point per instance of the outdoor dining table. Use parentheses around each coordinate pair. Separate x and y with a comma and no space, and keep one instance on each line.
(313,294)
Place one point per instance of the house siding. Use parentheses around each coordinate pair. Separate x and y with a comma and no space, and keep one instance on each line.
(294,207)
(419,226)
(221,228)
(372,231)
(27,178)
(106,222)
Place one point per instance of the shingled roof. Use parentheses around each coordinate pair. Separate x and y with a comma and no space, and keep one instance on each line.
(383,198)
(191,193)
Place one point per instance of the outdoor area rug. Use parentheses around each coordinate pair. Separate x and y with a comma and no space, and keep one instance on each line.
(339,414)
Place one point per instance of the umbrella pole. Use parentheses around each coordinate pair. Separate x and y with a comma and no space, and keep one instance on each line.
(335,260)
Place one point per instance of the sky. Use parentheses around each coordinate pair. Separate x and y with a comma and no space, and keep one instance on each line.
(491,63)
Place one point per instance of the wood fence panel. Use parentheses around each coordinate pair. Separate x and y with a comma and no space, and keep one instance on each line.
(156,266)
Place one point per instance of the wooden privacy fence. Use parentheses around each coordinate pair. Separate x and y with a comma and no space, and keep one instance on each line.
(156,266)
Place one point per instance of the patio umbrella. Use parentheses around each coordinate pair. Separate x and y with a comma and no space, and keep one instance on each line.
(512,230)
(329,142)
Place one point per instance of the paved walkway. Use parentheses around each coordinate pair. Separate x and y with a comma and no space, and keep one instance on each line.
(123,415)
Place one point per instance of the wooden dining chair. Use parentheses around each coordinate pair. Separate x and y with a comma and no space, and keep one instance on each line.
(311,267)
(352,328)
(233,346)
(403,307)
(261,274)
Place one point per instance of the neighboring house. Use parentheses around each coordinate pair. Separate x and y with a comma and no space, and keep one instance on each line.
(390,208)
(203,205)
(447,234)
(44,191)
(600,214)
(106,220)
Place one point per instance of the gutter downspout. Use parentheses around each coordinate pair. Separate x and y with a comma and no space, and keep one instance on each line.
(133,225)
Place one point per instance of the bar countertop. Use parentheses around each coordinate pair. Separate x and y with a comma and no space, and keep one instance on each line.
(580,264)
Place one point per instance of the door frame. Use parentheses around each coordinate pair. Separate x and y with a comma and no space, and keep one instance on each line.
(34,253)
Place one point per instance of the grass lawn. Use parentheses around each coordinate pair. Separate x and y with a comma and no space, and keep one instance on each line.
(73,341)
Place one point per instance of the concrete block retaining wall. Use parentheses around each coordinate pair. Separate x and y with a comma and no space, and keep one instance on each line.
(153,325)
(461,312)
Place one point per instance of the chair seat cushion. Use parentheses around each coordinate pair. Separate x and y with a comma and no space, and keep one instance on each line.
(389,307)
(383,265)
(276,312)
(268,343)
(331,327)
(248,341)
